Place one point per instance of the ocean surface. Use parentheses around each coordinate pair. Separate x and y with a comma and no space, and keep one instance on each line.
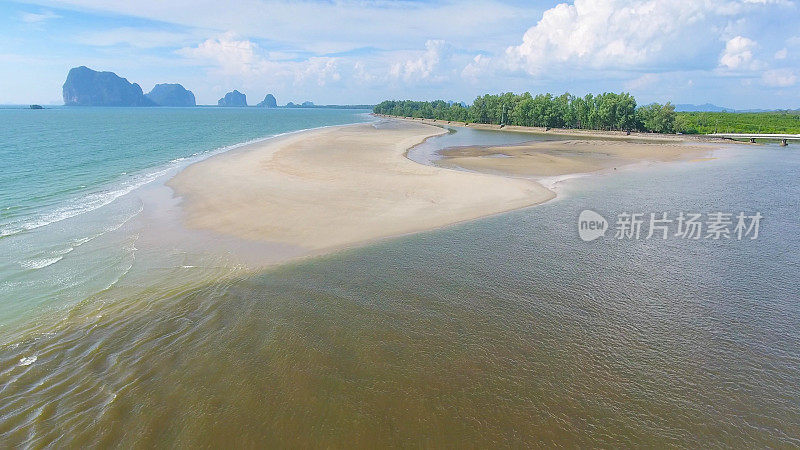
(73,176)
(505,331)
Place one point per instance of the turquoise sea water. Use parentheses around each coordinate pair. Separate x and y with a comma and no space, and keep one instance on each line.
(508,331)
(67,175)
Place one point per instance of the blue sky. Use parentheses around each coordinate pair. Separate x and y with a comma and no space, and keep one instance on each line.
(734,53)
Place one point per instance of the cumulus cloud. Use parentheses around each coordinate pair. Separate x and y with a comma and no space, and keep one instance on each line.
(361,74)
(319,70)
(425,66)
(779,78)
(610,33)
(781,54)
(738,53)
(632,34)
(231,56)
(479,66)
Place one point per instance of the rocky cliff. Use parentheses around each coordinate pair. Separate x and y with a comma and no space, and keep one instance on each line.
(269,102)
(86,87)
(171,95)
(234,98)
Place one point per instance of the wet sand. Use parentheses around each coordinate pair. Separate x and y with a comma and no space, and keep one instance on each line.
(566,157)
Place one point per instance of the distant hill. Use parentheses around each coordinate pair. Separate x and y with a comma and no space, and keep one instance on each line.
(345,106)
(788,111)
(312,105)
(171,95)
(708,107)
(233,98)
(306,104)
(87,87)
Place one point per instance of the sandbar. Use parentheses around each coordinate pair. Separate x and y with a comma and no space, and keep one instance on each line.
(336,187)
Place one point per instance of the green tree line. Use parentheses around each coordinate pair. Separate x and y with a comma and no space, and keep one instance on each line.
(608,111)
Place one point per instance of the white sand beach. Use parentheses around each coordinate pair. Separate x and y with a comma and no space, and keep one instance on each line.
(335,187)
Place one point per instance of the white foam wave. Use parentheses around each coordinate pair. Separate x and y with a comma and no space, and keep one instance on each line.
(28,360)
(83,240)
(48,259)
(83,205)
(34,264)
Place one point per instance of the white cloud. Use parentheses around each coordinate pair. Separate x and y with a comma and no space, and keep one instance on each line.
(779,78)
(629,34)
(781,54)
(229,54)
(361,74)
(319,70)
(612,34)
(425,66)
(39,17)
(738,53)
(479,66)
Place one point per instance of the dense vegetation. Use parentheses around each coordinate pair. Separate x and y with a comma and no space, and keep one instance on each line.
(787,122)
(607,111)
